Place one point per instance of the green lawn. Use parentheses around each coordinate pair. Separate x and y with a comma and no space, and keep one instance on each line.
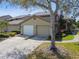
(68,37)
(72,49)
(78,33)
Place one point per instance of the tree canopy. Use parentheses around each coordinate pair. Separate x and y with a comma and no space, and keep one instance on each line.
(67,6)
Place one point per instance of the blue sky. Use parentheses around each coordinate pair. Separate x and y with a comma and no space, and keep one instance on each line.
(15,11)
(7,9)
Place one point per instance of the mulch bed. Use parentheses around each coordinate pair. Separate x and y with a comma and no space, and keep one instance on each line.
(46,53)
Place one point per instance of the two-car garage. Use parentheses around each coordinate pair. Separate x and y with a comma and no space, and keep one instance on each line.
(41,30)
(35,27)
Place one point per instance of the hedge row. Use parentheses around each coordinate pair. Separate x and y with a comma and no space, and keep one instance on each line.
(7,34)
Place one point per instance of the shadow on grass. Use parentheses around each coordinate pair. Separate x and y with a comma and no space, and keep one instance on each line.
(46,53)
(61,54)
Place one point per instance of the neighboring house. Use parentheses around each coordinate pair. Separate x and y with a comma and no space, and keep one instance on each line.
(31,25)
(14,23)
(6,17)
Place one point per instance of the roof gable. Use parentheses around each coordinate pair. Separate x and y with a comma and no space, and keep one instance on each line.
(35,21)
(40,18)
(24,19)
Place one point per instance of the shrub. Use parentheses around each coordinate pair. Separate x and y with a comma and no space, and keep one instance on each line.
(4,35)
(7,34)
(49,38)
(63,34)
(12,34)
(17,31)
(78,33)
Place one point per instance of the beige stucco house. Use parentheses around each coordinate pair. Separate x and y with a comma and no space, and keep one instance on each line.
(31,25)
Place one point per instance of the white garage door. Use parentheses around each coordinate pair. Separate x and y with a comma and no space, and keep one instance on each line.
(28,30)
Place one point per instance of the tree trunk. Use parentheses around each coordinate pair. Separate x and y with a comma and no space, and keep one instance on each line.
(52,23)
(52,27)
(66,26)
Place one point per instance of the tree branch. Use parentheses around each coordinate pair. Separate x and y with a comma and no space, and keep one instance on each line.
(41,5)
(53,1)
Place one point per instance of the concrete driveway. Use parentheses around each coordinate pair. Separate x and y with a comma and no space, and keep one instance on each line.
(17,47)
(20,47)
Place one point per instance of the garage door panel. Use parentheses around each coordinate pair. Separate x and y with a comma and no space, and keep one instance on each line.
(28,30)
(43,30)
